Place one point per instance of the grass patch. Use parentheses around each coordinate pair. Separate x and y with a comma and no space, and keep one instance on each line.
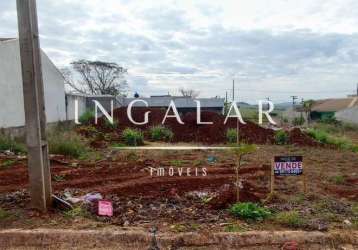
(249,211)
(340,142)
(355,209)
(176,163)
(87,117)
(281,137)
(58,178)
(233,228)
(7,163)
(6,143)
(290,219)
(4,214)
(161,133)
(231,135)
(133,137)
(76,212)
(338,179)
(68,144)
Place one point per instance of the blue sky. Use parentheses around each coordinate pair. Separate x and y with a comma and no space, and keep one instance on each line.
(273,48)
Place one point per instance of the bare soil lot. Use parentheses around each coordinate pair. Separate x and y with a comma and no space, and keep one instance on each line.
(190,203)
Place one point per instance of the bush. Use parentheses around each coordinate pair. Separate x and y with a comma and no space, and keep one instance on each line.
(281,137)
(249,211)
(291,219)
(325,138)
(67,144)
(133,137)
(231,135)
(87,117)
(6,143)
(160,133)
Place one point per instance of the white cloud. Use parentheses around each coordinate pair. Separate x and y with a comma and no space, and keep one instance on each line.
(267,46)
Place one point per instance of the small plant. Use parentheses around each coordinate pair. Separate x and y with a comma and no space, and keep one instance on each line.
(240,152)
(233,228)
(133,137)
(338,179)
(249,211)
(76,212)
(87,117)
(231,135)
(58,178)
(68,144)
(161,133)
(176,163)
(290,219)
(4,214)
(355,209)
(281,137)
(6,143)
(7,163)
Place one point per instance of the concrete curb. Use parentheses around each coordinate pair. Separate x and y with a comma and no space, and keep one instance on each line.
(113,239)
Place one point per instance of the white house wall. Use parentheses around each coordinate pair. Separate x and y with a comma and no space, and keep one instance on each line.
(349,115)
(11,95)
(71,105)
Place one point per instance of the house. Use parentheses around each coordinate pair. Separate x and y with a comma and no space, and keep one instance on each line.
(11,95)
(182,103)
(329,107)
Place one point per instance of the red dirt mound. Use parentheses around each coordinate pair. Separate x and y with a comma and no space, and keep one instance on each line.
(190,131)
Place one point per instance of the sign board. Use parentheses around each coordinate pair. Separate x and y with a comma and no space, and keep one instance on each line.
(105,208)
(288,165)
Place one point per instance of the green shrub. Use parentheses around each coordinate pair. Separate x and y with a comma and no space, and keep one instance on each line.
(133,137)
(338,179)
(325,138)
(290,219)
(249,211)
(4,214)
(68,144)
(298,121)
(161,133)
(281,137)
(231,135)
(87,117)
(6,143)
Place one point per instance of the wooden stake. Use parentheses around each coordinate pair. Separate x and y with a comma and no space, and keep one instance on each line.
(34,105)
(272,181)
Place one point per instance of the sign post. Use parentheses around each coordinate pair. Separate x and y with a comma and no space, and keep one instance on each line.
(34,105)
(287,166)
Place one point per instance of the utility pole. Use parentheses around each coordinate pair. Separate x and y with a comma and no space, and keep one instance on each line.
(233,90)
(294,98)
(357,90)
(34,105)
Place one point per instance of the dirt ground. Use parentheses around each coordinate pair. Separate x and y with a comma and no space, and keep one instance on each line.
(182,203)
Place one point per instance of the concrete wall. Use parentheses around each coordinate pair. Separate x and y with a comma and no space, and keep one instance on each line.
(348,115)
(11,95)
(70,105)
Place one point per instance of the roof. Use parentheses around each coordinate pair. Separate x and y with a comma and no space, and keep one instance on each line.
(334,105)
(6,39)
(180,102)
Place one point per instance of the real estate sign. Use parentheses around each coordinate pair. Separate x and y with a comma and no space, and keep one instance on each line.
(288,165)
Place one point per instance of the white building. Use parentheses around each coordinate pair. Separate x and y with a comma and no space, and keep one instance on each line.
(11,94)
